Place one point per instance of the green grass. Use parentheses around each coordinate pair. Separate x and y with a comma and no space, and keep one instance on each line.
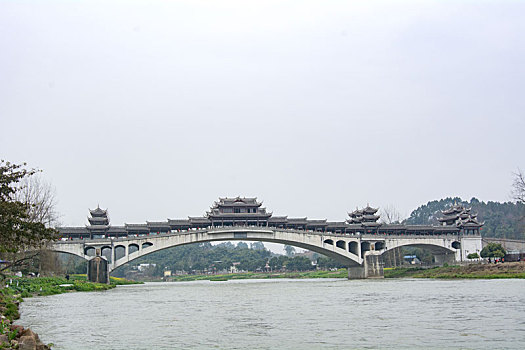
(455,272)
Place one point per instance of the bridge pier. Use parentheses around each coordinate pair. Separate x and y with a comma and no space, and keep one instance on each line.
(371,268)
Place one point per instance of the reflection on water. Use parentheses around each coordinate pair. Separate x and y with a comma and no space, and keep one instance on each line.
(286,314)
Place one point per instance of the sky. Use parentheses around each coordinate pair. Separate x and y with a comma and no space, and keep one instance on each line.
(155,109)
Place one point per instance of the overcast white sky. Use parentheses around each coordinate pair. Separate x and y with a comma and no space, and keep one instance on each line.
(154,109)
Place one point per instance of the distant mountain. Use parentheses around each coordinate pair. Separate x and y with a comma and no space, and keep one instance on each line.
(502,220)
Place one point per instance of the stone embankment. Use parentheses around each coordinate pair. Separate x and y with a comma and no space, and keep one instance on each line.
(20,338)
(14,336)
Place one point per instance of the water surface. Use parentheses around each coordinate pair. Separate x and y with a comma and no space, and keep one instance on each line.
(286,314)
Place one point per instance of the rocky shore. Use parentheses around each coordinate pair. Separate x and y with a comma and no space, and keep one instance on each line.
(21,338)
(14,336)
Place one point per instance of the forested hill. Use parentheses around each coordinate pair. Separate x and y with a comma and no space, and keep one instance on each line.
(502,220)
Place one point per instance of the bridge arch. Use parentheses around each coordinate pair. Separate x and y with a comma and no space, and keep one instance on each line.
(351,260)
(120,251)
(353,247)
(133,248)
(146,245)
(89,251)
(365,247)
(434,248)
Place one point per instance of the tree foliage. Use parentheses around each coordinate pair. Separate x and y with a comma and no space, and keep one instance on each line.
(473,256)
(290,250)
(19,230)
(502,220)
(493,250)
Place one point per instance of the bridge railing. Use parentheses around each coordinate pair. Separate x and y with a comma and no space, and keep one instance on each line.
(255,228)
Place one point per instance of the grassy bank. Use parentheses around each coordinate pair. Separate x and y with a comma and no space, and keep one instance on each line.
(341,273)
(30,286)
(473,271)
(480,271)
(17,288)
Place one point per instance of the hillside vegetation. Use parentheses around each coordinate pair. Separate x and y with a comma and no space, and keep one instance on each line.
(502,220)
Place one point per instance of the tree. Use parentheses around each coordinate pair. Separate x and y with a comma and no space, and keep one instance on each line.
(518,187)
(390,215)
(20,229)
(257,246)
(473,256)
(299,263)
(493,250)
(40,198)
(242,245)
(290,251)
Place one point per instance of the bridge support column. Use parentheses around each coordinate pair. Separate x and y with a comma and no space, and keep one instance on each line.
(98,269)
(371,268)
(374,266)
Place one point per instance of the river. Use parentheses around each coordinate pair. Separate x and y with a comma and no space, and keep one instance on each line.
(286,314)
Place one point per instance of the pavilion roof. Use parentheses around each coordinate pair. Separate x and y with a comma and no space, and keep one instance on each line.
(117,229)
(71,229)
(98,212)
(369,210)
(163,224)
(199,219)
(237,201)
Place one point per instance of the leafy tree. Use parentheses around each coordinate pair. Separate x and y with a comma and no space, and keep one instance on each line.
(324,262)
(242,245)
(19,229)
(493,250)
(299,263)
(473,256)
(290,250)
(257,246)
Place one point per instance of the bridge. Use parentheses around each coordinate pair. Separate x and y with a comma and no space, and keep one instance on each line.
(359,242)
(363,254)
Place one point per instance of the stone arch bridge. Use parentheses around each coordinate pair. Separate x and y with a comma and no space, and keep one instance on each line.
(361,253)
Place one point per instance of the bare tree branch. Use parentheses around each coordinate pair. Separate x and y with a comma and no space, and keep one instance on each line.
(518,187)
(390,215)
(41,200)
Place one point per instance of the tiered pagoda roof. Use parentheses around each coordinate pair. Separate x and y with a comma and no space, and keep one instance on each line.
(98,221)
(237,209)
(459,216)
(98,212)
(366,217)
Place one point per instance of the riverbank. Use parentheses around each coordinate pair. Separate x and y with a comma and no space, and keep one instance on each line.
(16,288)
(341,273)
(472,271)
(485,271)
